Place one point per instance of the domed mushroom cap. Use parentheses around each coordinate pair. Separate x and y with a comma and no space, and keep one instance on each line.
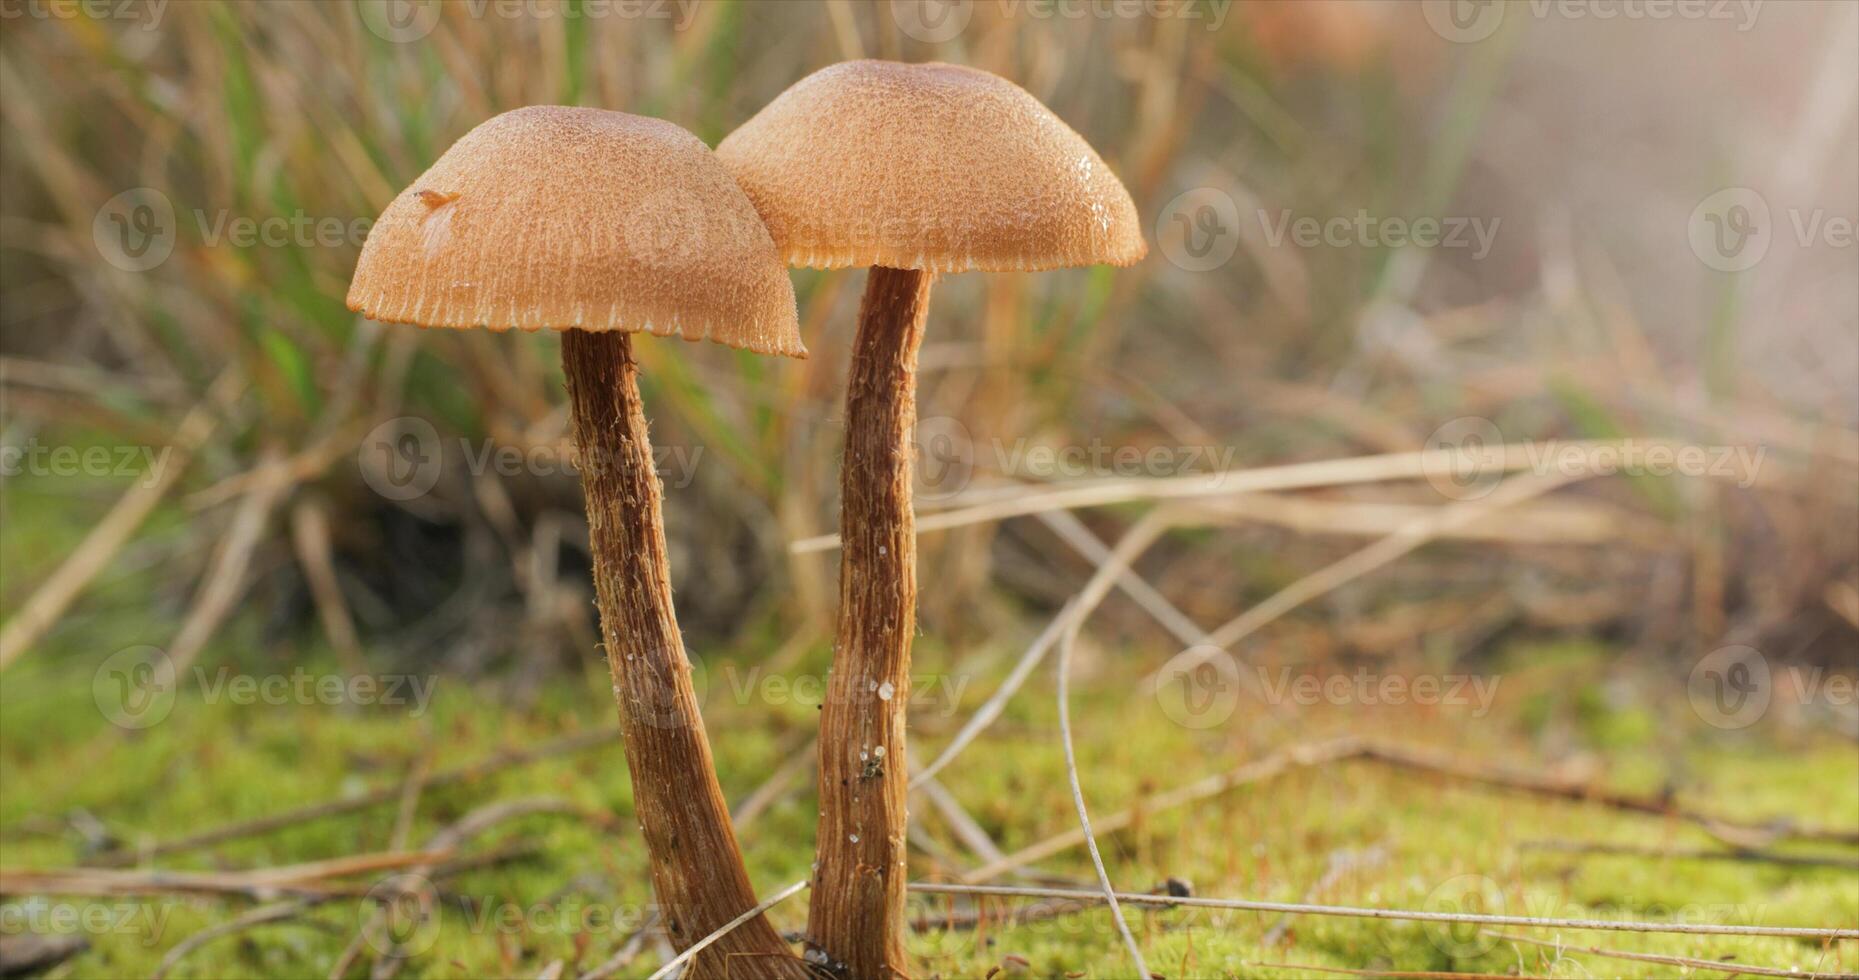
(554,217)
(935,167)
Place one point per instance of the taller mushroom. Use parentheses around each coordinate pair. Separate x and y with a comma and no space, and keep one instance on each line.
(600,225)
(913,170)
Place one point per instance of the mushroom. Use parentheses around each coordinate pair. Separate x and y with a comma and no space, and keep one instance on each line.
(601,224)
(913,170)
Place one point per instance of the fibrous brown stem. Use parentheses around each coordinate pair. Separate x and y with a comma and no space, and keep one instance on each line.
(855,924)
(697,870)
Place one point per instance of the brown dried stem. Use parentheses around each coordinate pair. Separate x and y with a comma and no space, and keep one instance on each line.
(697,869)
(856,921)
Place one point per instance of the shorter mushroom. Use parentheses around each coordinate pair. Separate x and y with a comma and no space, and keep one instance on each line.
(600,225)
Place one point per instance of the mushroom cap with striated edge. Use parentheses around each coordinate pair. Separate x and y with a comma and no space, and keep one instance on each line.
(562,218)
(935,167)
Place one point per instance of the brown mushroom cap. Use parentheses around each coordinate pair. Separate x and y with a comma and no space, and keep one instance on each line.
(555,217)
(934,167)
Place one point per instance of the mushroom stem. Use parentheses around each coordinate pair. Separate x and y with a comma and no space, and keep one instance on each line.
(855,922)
(697,869)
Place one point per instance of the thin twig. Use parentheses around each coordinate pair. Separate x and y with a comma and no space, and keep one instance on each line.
(1741,834)
(1000,503)
(1067,644)
(1668,960)
(262,915)
(226,580)
(785,778)
(699,946)
(263,825)
(108,881)
(628,951)
(457,835)
(1140,535)
(62,587)
(1398,543)
(1749,856)
(1294,908)
(1389,974)
(1316,754)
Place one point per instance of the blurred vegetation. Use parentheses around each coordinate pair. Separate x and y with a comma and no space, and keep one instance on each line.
(1588,319)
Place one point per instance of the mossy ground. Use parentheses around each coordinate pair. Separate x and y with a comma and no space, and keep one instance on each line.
(1404,840)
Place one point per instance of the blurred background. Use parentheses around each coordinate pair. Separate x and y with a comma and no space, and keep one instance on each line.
(1605,247)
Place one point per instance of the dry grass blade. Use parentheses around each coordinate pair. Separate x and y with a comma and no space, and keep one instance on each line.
(309,522)
(784,779)
(1692,854)
(1000,503)
(262,915)
(1140,535)
(627,953)
(1345,911)
(278,821)
(1252,772)
(1402,541)
(310,877)
(770,902)
(449,839)
(1736,834)
(960,822)
(227,578)
(58,591)
(1742,969)
(1066,646)
(1390,974)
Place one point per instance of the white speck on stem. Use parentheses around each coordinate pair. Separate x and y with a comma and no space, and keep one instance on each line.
(886,690)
